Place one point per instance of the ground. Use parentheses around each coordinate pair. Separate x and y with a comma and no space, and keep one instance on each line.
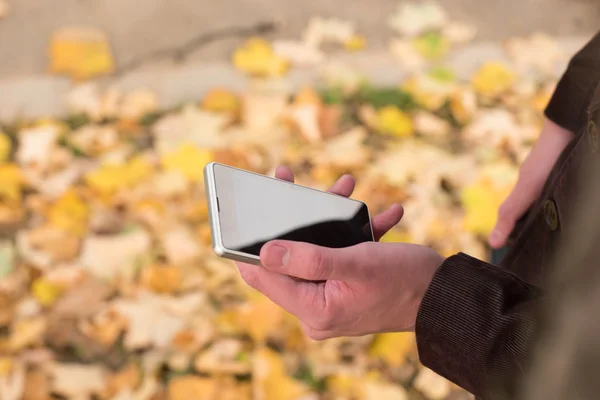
(137,28)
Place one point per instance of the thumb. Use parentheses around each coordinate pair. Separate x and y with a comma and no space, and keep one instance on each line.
(509,212)
(310,262)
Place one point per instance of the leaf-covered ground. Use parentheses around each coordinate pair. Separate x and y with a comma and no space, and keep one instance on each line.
(108,286)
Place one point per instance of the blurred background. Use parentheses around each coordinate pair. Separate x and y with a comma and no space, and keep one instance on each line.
(109,111)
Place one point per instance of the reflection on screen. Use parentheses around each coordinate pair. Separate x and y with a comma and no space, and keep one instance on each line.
(255,210)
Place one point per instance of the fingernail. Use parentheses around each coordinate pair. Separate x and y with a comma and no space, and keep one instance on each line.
(277,256)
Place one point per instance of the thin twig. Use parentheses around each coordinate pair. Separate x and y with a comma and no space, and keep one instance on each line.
(179,54)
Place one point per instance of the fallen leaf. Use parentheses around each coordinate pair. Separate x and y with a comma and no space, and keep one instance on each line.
(392,121)
(45,292)
(77,381)
(459,33)
(148,323)
(298,53)
(180,246)
(109,256)
(537,53)
(481,201)
(381,390)
(7,258)
(81,53)
(463,105)
(271,382)
(189,160)
(162,278)
(493,78)
(406,54)
(393,348)
(35,146)
(430,125)
(137,104)
(344,151)
(432,385)
(70,213)
(412,19)
(27,332)
(5,147)
(355,43)
(193,387)
(327,30)
(221,100)
(432,46)
(256,57)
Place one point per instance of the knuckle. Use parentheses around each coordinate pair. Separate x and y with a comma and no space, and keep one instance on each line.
(324,321)
(317,265)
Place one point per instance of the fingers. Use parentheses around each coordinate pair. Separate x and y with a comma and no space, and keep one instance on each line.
(313,263)
(297,298)
(284,173)
(344,186)
(385,221)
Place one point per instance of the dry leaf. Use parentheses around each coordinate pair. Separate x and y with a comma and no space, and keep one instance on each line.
(356,43)
(345,151)
(538,53)
(193,387)
(77,381)
(162,278)
(271,382)
(412,19)
(493,79)
(180,245)
(406,54)
(431,126)
(432,385)
(326,30)
(82,53)
(256,57)
(5,147)
(393,121)
(221,100)
(298,53)
(137,104)
(393,347)
(110,256)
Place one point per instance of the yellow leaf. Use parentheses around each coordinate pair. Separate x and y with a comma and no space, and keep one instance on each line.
(6,365)
(221,100)
(27,332)
(162,279)
(192,388)
(260,317)
(189,160)
(481,201)
(308,96)
(45,291)
(463,105)
(393,347)
(344,386)
(256,57)
(5,147)
(429,92)
(11,181)
(393,121)
(356,43)
(82,53)
(70,213)
(113,177)
(271,380)
(396,236)
(493,79)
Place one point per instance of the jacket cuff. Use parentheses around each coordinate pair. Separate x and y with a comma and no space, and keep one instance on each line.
(461,316)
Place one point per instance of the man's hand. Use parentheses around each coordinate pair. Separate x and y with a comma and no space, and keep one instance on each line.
(532,177)
(368,288)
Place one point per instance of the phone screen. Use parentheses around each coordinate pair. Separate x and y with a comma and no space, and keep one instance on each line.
(255,209)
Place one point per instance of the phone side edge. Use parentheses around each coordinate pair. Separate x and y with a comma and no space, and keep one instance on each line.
(213,212)
(215,224)
(370,219)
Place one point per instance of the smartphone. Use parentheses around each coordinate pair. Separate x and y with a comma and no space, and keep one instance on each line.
(247,210)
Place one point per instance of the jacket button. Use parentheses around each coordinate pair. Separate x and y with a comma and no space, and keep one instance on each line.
(551,214)
(593,136)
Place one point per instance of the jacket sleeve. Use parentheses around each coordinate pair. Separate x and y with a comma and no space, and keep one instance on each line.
(475,326)
(569,103)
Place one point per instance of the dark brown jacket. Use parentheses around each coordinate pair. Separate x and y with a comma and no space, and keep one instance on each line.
(477,321)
